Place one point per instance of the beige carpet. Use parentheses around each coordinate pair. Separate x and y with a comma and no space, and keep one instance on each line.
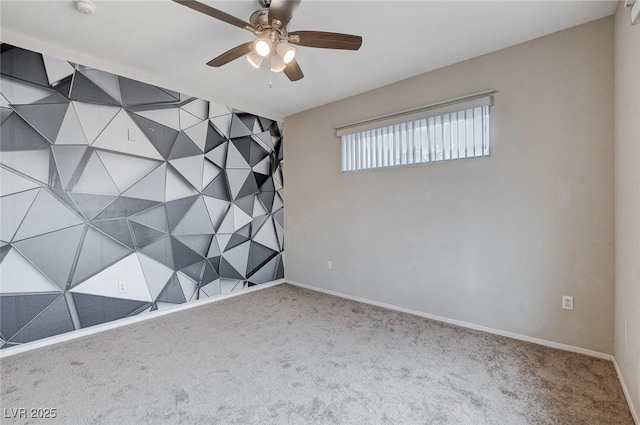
(285,355)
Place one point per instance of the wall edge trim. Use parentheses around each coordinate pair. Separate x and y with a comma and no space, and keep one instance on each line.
(79,333)
(468,325)
(627,396)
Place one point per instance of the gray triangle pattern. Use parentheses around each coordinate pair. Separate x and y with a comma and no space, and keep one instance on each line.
(197,195)
(53,253)
(88,264)
(46,214)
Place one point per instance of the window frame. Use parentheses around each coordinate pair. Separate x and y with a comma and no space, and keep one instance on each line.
(418,136)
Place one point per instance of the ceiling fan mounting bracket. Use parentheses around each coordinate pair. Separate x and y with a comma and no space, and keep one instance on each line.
(260,19)
(260,26)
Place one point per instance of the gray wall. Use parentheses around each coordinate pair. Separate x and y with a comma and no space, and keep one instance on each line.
(107,181)
(492,241)
(627,180)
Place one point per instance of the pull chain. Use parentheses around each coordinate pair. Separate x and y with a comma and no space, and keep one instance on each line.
(270,79)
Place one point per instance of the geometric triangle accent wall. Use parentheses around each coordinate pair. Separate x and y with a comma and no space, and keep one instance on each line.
(120,197)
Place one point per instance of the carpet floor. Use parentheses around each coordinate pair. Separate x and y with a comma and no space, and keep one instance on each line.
(285,355)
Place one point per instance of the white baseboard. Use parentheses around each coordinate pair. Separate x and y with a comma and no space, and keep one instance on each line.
(468,325)
(79,333)
(460,323)
(634,413)
(11,351)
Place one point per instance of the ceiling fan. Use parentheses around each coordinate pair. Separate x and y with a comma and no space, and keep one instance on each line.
(272,40)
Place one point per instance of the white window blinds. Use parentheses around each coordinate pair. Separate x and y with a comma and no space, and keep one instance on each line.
(448,130)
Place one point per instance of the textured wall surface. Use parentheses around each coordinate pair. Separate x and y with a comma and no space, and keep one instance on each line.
(119,197)
(627,160)
(495,241)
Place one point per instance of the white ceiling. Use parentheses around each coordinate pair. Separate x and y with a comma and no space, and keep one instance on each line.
(167,44)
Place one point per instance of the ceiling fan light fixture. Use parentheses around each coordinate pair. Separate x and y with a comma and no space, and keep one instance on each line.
(254,59)
(287,52)
(262,47)
(277,64)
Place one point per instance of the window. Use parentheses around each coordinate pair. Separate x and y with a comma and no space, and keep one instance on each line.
(454,129)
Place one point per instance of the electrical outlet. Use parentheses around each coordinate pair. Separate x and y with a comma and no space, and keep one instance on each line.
(131,133)
(329,265)
(567,302)
(122,287)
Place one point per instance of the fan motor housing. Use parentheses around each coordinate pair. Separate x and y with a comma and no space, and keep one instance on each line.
(260,19)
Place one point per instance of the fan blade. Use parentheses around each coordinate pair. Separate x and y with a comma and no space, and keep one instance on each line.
(232,54)
(214,13)
(327,40)
(282,10)
(293,71)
